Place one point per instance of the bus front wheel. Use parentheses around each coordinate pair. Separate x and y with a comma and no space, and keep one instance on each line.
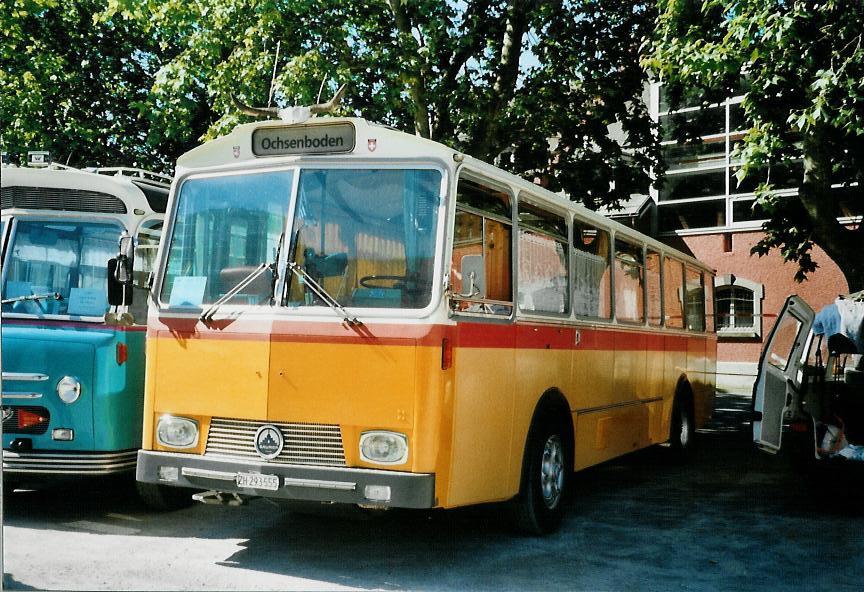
(546,475)
(163,498)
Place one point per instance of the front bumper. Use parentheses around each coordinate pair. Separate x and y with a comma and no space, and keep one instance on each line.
(31,464)
(296,482)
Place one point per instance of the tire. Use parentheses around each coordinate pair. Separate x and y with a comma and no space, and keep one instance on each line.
(546,475)
(682,428)
(163,498)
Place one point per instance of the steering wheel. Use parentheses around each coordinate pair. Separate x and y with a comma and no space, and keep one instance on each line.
(367,279)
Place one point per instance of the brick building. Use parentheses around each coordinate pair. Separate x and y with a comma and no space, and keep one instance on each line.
(702,209)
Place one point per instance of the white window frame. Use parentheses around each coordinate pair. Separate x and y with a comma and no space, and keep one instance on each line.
(758,291)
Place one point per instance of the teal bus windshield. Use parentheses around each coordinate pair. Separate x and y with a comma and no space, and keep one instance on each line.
(59,257)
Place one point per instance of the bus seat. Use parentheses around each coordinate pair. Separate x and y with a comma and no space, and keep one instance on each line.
(231,276)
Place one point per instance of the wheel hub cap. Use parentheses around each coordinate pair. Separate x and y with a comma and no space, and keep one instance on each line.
(552,471)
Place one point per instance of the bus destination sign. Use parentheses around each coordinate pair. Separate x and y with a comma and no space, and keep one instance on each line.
(303,139)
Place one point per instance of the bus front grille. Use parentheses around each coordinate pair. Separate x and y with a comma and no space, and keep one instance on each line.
(305,443)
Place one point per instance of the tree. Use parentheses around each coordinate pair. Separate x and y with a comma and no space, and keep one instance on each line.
(803,64)
(502,80)
(73,85)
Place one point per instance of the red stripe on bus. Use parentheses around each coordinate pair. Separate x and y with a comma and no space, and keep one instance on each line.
(522,335)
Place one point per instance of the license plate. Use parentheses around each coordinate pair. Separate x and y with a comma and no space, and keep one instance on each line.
(258,481)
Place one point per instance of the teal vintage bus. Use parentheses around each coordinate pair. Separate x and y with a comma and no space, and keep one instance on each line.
(73,366)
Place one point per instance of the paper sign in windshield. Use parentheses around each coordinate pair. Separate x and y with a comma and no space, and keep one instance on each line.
(188,291)
(87,302)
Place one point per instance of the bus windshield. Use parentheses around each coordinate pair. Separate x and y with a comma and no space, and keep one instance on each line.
(225,227)
(367,236)
(59,257)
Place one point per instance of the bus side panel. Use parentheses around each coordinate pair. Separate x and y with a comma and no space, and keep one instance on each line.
(630,360)
(433,417)
(483,406)
(657,386)
(544,358)
(674,368)
(704,398)
(696,375)
(606,434)
(119,393)
(593,367)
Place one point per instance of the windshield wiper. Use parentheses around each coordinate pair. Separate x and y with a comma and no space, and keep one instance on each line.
(34,297)
(276,269)
(323,294)
(241,285)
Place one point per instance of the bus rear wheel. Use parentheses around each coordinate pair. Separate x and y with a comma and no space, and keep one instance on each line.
(163,498)
(683,426)
(546,476)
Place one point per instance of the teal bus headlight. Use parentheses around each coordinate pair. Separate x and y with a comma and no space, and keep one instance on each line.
(386,448)
(68,389)
(177,432)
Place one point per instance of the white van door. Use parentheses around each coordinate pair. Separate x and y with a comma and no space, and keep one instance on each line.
(780,372)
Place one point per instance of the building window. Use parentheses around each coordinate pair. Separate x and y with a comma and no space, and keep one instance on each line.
(739,307)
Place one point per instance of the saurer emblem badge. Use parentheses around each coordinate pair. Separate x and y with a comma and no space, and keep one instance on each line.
(269,442)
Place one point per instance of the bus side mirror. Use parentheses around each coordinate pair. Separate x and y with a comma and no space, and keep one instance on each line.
(120,273)
(473,277)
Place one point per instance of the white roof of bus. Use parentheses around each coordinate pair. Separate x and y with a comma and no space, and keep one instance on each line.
(374,142)
(53,178)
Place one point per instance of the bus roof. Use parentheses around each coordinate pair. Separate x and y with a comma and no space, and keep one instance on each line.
(275,143)
(90,187)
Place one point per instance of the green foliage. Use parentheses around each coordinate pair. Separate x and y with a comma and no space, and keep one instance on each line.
(74,86)
(503,80)
(803,62)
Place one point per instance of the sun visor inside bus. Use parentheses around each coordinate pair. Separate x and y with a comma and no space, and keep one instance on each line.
(156,196)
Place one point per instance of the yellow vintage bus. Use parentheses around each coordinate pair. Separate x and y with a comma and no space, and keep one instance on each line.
(345,313)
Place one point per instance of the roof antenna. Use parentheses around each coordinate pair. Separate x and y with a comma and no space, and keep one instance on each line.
(297,114)
(320,90)
(273,77)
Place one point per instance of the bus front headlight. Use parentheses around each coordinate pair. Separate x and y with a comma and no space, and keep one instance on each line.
(68,389)
(177,432)
(386,448)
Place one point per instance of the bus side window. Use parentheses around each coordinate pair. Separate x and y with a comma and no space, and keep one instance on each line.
(592,294)
(709,304)
(652,272)
(543,273)
(695,300)
(673,293)
(483,228)
(629,282)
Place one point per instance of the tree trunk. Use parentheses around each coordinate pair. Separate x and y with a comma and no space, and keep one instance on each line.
(843,244)
(416,81)
(487,142)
